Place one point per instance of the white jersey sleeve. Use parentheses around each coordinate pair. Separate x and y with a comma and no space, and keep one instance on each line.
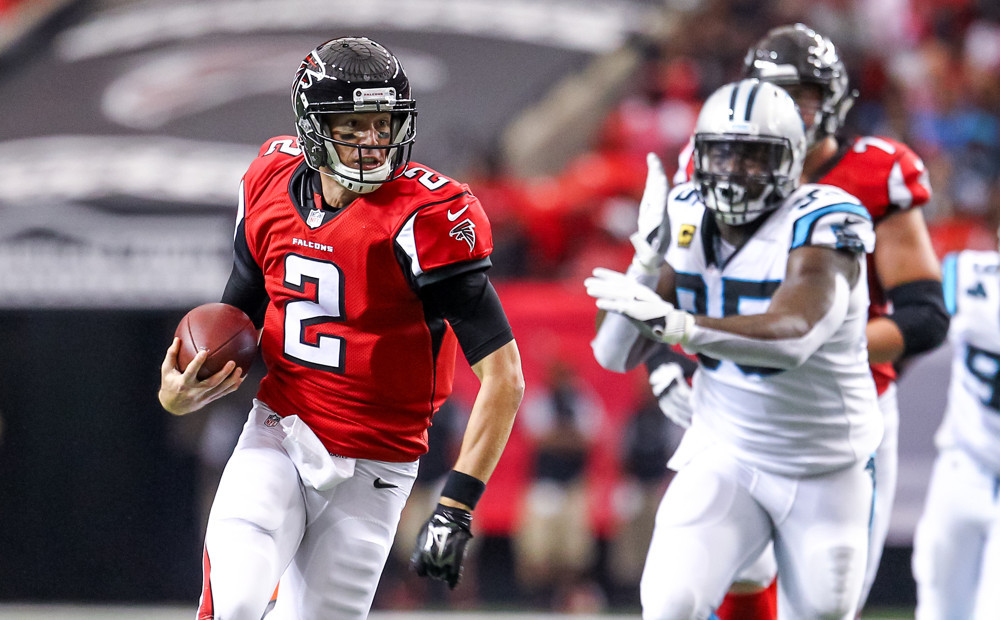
(826,216)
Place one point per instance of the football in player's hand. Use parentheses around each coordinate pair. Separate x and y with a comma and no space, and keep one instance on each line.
(225,331)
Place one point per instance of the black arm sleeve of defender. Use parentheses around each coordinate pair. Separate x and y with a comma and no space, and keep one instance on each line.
(471,305)
(918,310)
(245,288)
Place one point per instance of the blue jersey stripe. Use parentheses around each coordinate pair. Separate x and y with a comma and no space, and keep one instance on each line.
(949,282)
(802,230)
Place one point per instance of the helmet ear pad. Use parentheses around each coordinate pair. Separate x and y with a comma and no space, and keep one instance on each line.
(314,152)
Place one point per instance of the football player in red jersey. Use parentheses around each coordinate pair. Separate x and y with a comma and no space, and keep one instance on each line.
(365,272)
(907,314)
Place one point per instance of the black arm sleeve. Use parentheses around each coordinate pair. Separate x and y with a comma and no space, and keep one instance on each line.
(245,288)
(918,310)
(471,305)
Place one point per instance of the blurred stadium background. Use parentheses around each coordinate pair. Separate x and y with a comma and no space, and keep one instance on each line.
(125,127)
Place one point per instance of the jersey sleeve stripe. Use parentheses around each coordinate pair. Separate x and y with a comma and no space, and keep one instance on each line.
(803,228)
(899,194)
(949,269)
(407,241)
(240,207)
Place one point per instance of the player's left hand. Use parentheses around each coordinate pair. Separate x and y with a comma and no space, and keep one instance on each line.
(441,545)
(653,315)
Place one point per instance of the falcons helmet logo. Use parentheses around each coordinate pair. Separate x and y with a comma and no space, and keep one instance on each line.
(464,231)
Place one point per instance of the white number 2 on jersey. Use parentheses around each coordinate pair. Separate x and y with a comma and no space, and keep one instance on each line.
(326,306)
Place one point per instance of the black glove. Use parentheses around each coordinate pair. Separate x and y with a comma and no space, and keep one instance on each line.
(441,545)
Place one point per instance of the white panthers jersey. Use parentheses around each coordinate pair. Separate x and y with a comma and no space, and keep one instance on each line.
(972,294)
(817,417)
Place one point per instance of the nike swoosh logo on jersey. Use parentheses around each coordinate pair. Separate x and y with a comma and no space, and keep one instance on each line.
(454,216)
(382,484)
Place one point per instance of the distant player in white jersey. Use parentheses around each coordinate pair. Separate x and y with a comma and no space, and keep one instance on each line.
(766,281)
(956,549)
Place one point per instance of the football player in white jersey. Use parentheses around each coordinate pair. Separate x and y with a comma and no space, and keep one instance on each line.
(906,314)
(956,548)
(766,281)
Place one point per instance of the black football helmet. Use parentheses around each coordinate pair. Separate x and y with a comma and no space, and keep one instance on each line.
(797,54)
(353,75)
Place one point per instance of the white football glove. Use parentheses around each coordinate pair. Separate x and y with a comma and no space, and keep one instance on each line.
(653,236)
(654,316)
(672,393)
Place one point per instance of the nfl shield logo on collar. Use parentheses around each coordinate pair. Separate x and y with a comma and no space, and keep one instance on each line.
(315,218)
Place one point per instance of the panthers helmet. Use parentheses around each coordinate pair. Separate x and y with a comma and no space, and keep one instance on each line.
(797,54)
(353,75)
(749,147)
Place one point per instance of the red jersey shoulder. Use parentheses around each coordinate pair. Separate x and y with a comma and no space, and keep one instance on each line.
(445,223)
(278,155)
(883,173)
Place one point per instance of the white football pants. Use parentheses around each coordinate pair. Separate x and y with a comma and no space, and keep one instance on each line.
(718,515)
(327,548)
(956,547)
(762,572)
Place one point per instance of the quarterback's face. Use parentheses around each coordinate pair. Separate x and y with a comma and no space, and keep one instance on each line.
(370,128)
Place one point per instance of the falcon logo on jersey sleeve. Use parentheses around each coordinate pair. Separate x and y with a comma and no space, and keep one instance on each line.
(465,231)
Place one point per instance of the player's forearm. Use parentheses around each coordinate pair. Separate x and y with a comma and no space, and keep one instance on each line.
(492,416)
(885,342)
(773,340)
(489,428)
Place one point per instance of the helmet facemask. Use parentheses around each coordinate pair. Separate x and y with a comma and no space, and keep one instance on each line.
(400,137)
(749,148)
(742,177)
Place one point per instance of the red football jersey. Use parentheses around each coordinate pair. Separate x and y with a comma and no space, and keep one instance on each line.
(348,345)
(886,176)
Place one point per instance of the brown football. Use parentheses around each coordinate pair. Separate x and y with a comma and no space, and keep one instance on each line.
(224,330)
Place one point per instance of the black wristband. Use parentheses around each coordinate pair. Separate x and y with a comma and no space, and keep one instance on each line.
(463,488)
